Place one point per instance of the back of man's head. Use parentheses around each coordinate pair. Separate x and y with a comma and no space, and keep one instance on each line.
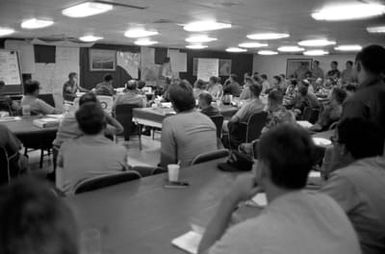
(372,58)
(71,75)
(206,98)
(108,77)
(339,95)
(87,97)
(2,84)
(181,95)
(288,152)
(264,76)
(91,118)
(31,86)
(35,221)
(361,138)
(131,85)
(275,97)
(255,89)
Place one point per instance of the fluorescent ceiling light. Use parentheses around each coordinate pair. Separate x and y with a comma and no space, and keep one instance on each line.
(316,43)
(196,46)
(201,26)
(139,32)
(290,49)
(349,12)
(36,23)
(376,29)
(90,38)
(200,38)
(267,52)
(348,48)
(267,36)
(253,45)
(86,9)
(145,42)
(235,50)
(315,52)
(6,31)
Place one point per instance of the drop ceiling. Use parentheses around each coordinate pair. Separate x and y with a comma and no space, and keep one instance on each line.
(166,16)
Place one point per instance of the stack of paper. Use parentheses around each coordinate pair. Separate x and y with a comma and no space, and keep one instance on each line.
(304,124)
(46,122)
(188,242)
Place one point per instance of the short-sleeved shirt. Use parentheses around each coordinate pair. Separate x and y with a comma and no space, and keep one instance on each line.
(186,135)
(248,109)
(88,156)
(7,140)
(37,105)
(359,190)
(295,223)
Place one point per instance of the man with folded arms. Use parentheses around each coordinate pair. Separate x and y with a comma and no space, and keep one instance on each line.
(294,221)
(358,184)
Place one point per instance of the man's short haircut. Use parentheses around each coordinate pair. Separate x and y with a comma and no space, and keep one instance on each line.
(108,77)
(91,118)
(335,62)
(278,78)
(205,96)
(288,151)
(275,96)
(351,88)
(255,89)
(361,137)
(316,61)
(30,86)
(141,84)
(88,97)
(71,75)
(349,62)
(181,95)
(339,94)
(214,79)
(303,88)
(200,84)
(131,85)
(34,220)
(372,59)
(264,76)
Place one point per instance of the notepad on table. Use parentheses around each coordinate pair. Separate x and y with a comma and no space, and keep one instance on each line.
(304,124)
(188,242)
(46,122)
(260,199)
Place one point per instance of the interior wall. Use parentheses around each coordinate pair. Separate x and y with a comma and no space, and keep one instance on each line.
(273,65)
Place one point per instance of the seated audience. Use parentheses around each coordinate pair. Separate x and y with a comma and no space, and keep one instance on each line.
(246,94)
(215,88)
(305,100)
(332,112)
(232,87)
(357,185)
(35,221)
(204,103)
(265,84)
(30,98)
(91,154)
(295,221)
(369,100)
(278,84)
(199,87)
(130,96)
(105,87)
(188,133)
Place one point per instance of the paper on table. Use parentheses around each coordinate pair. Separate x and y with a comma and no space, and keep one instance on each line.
(188,242)
(260,199)
(304,124)
(9,118)
(315,174)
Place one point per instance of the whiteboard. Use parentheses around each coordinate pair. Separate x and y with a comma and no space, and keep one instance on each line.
(10,71)
(207,67)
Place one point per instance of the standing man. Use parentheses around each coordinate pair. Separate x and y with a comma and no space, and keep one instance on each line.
(347,74)
(71,87)
(317,72)
(334,73)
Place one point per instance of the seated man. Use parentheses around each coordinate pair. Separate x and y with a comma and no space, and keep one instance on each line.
(130,96)
(91,154)
(232,87)
(35,221)
(305,100)
(246,94)
(332,112)
(204,103)
(105,87)
(294,221)
(215,88)
(188,133)
(199,87)
(30,98)
(358,184)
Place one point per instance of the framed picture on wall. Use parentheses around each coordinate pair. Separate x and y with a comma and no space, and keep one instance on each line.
(224,67)
(102,60)
(297,67)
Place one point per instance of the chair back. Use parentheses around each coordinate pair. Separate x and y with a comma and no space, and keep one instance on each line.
(310,115)
(106,102)
(5,176)
(99,182)
(123,113)
(218,121)
(255,125)
(47,98)
(204,157)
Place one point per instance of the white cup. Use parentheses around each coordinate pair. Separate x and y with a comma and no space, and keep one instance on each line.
(173,172)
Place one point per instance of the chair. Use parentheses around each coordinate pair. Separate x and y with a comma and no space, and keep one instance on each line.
(123,113)
(106,102)
(47,98)
(218,121)
(99,182)
(42,142)
(5,175)
(255,125)
(310,115)
(204,157)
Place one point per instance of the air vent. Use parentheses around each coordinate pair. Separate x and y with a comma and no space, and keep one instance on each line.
(122,5)
(163,21)
(228,4)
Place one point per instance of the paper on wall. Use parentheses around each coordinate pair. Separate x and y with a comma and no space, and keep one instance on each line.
(207,67)
(178,60)
(26,54)
(130,62)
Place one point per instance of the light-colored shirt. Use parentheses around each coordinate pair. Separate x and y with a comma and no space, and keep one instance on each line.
(359,190)
(248,109)
(130,97)
(295,223)
(215,90)
(317,72)
(246,93)
(347,76)
(186,135)
(265,86)
(88,156)
(68,129)
(37,105)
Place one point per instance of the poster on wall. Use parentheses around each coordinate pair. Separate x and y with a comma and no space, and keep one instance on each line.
(102,60)
(130,62)
(178,60)
(224,67)
(207,67)
(297,67)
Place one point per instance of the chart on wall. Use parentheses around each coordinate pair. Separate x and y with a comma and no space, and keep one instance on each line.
(130,62)
(9,67)
(224,66)
(207,67)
